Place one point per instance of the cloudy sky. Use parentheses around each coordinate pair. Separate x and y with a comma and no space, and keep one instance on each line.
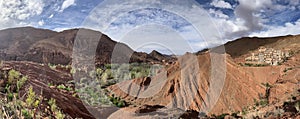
(170,26)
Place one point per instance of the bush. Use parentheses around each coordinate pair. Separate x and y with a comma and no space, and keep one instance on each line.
(55,110)
(13,106)
(63,87)
(21,82)
(13,76)
(31,100)
(117,101)
(52,66)
(264,102)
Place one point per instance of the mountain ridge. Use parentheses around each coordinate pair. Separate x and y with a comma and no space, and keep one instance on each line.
(57,47)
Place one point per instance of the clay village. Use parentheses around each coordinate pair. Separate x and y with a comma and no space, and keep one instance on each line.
(268,56)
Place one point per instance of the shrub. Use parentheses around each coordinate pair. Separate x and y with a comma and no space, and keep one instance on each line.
(13,76)
(61,86)
(267,85)
(21,82)
(31,100)
(117,101)
(10,96)
(15,108)
(55,110)
(26,114)
(52,66)
(244,111)
(264,102)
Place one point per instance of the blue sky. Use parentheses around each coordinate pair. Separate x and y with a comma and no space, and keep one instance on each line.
(169,26)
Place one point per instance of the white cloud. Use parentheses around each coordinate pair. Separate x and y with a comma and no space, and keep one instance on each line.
(13,12)
(157,37)
(66,4)
(287,29)
(190,20)
(248,18)
(59,29)
(249,13)
(51,16)
(41,22)
(218,13)
(221,4)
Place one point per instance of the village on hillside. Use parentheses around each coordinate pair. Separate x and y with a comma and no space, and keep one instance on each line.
(267,56)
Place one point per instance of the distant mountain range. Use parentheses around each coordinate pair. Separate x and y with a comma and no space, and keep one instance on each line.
(46,46)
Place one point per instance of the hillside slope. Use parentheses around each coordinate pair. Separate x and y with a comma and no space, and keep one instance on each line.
(243,47)
(243,87)
(45,46)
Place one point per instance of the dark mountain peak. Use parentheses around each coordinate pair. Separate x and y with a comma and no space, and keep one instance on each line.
(154,52)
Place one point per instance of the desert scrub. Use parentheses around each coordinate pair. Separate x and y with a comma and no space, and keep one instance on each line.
(263,99)
(117,101)
(52,66)
(13,76)
(13,81)
(56,112)
(63,87)
(32,100)
(21,82)
(91,87)
(111,74)
(94,96)
(16,108)
(28,106)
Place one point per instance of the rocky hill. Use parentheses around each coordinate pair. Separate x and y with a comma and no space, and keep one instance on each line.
(247,90)
(45,46)
(241,48)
